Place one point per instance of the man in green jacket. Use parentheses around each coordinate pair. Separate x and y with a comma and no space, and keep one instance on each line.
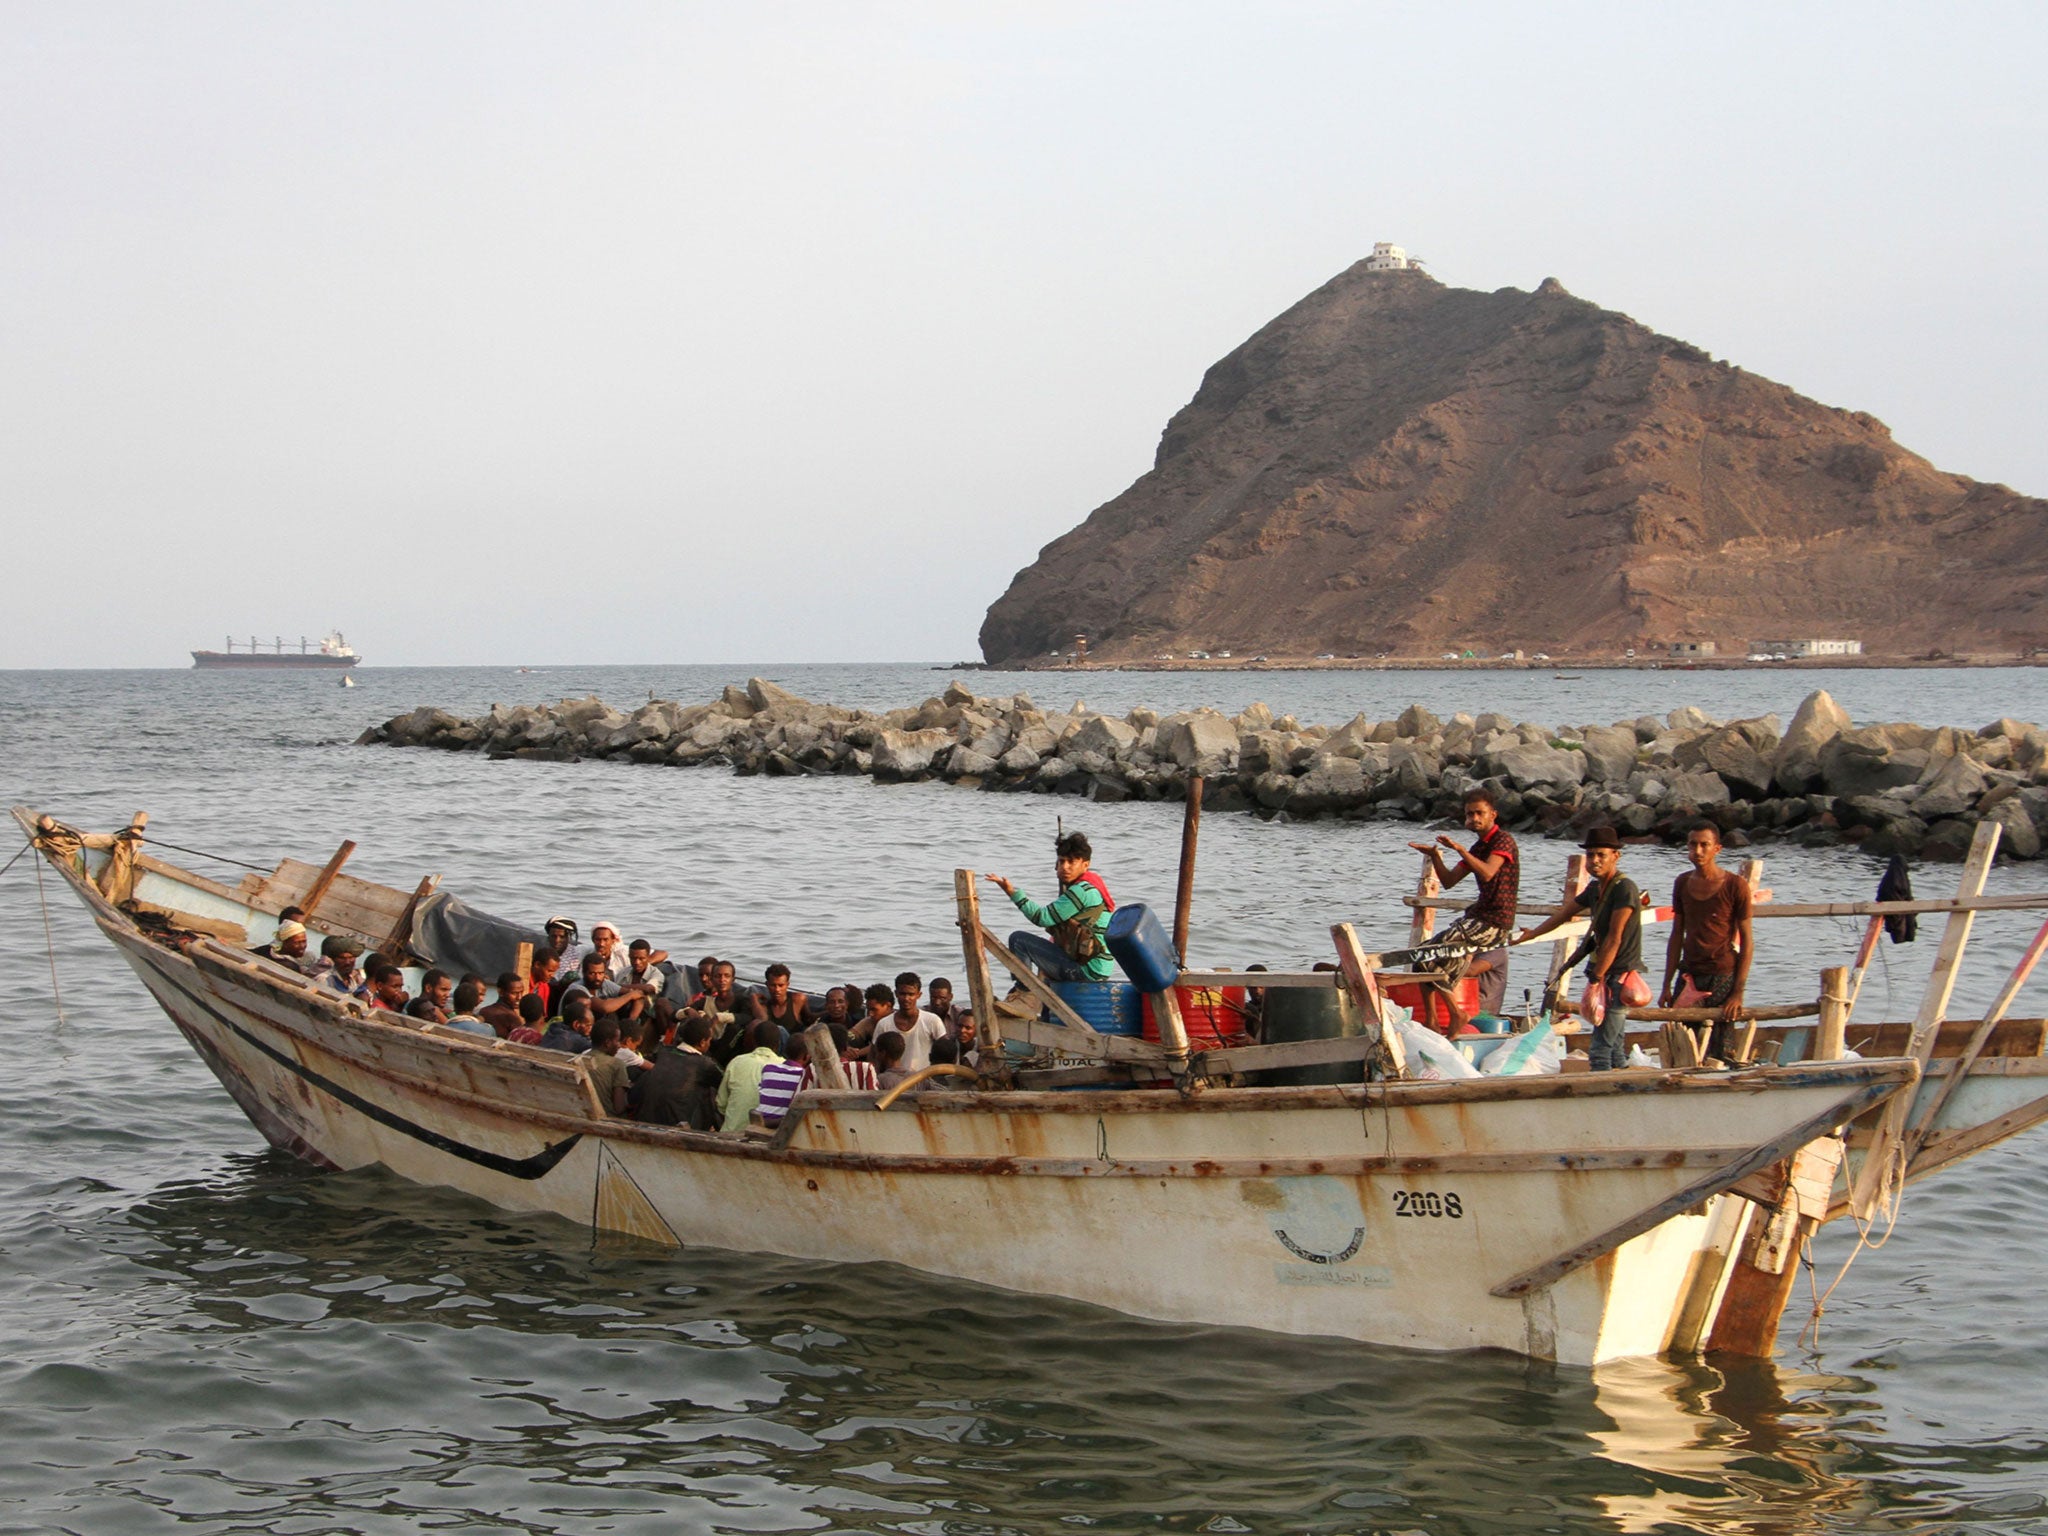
(739,1095)
(1075,949)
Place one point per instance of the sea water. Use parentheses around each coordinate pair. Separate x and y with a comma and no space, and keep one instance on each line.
(200,1335)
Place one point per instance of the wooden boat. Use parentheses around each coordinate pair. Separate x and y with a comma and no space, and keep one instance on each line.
(1571,1217)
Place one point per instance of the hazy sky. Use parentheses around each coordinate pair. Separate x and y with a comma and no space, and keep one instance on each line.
(507,333)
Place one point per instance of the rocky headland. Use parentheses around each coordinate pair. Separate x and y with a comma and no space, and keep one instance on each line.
(1891,788)
(1397,467)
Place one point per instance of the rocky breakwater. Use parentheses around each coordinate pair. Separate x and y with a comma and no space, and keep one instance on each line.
(1893,788)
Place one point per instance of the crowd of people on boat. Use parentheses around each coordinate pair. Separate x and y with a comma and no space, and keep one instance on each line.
(670,1044)
(681,1044)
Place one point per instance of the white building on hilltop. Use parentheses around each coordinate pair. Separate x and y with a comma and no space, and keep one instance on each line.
(1390,258)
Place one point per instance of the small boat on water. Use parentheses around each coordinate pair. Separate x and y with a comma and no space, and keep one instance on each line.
(1579,1217)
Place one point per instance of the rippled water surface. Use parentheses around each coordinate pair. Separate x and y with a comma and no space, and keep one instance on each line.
(199,1335)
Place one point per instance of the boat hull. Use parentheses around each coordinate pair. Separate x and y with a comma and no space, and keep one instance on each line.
(290,661)
(1401,1215)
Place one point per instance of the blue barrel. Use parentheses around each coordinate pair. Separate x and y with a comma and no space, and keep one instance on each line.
(1142,948)
(1111,1007)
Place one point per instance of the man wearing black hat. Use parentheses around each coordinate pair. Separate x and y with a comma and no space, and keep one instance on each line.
(1612,948)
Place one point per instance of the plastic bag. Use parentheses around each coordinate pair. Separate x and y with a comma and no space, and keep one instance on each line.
(1430,1055)
(1537,1052)
(1638,1057)
(1635,993)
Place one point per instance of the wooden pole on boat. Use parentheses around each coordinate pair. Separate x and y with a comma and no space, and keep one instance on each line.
(1574,877)
(1184,894)
(1960,1067)
(1865,953)
(1876,1177)
(981,989)
(1422,921)
(401,931)
(1357,967)
(827,1071)
(522,962)
(318,889)
(1829,1035)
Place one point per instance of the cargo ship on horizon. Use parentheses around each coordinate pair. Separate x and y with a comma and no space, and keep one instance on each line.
(332,652)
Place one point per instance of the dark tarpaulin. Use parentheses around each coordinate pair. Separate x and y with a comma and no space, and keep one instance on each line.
(456,937)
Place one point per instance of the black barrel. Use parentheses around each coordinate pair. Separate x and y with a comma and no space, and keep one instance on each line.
(1310,1013)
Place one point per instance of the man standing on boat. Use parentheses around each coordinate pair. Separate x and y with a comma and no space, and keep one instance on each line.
(1612,948)
(1481,935)
(1076,919)
(1706,964)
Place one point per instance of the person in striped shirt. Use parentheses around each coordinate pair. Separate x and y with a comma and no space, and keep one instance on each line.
(1074,947)
(780,1081)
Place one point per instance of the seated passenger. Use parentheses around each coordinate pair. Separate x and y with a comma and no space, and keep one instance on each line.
(288,948)
(781,1079)
(888,1060)
(606,997)
(533,1022)
(607,1071)
(879,1000)
(605,943)
(337,967)
(571,1032)
(541,982)
(387,987)
(740,1094)
(835,1008)
(437,991)
(721,1005)
(469,993)
(792,1010)
(633,1034)
(940,1005)
(503,1015)
(649,975)
(563,944)
(680,1085)
(945,1053)
(918,1028)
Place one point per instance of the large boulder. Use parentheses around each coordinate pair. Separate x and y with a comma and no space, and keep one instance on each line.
(1732,754)
(1697,789)
(2018,836)
(1417,721)
(1818,721)
(1203,741)
(764,695)
(1018,762)
(1526,767)
(1253,717)
(1262,751)
(1864,763)
(1610,752)
(906,754)
(1951,788)
(1415,770)
(1332,783)
(1686,719)
(1102,735)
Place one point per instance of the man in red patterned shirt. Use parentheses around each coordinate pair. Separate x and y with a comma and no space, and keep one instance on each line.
(1478,940)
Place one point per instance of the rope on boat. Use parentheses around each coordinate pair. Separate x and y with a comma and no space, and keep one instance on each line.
(200,853)
(25,847)
(49,940)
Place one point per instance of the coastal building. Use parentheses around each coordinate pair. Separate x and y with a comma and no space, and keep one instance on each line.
(1693,648)
(1796,648)
(1390,258)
